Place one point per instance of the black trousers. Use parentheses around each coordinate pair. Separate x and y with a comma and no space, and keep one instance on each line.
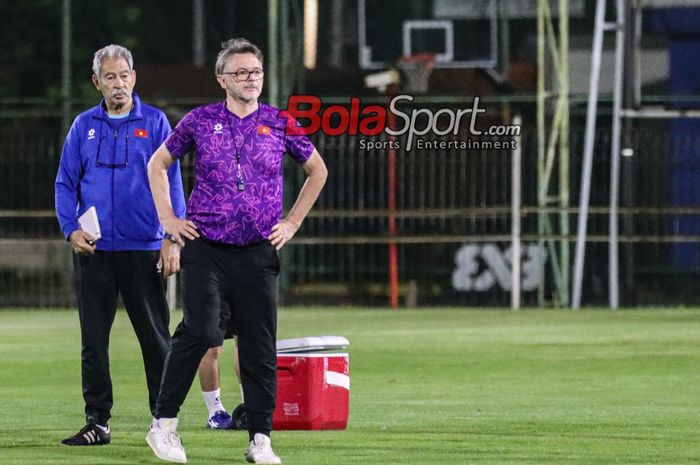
(99,279)
(244,280)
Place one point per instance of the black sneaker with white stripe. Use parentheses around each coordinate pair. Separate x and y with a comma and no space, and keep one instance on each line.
(89,435)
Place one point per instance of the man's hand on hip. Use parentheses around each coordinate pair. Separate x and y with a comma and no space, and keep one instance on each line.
(282,232)
(82,242)
(180,229)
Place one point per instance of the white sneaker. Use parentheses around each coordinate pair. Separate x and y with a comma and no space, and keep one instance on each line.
(165,442)
(260,450)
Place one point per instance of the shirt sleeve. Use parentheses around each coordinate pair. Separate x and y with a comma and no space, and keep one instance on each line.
(181,139)
(297,144)
(162,130)
(67,183)
(177,194)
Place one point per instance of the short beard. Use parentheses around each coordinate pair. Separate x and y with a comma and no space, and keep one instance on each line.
(240,97)
(244,99)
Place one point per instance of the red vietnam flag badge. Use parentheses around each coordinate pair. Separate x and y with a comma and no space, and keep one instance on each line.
(264,130)
(141,133)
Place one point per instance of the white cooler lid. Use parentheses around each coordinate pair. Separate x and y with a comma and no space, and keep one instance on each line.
(311,344)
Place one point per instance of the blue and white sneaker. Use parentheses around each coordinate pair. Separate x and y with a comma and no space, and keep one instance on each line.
(220,420)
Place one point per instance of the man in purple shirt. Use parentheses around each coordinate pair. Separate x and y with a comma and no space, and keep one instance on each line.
(232,233)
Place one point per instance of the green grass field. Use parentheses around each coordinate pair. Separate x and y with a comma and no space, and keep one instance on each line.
(443,386)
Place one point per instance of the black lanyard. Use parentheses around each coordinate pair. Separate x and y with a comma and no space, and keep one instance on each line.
(240,184)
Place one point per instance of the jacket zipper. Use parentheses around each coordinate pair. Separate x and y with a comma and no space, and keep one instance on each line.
(114,159)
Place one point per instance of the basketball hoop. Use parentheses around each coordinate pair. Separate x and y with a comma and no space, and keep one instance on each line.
(416,70)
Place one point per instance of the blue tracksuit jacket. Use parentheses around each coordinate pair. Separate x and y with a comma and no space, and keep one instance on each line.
(108,169)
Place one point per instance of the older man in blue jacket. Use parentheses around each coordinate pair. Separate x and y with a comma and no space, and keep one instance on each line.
(104,164)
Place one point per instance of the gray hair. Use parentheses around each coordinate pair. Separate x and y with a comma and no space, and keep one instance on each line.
(233,46)
(111,52)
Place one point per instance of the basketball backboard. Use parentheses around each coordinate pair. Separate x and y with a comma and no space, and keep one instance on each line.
(459,36)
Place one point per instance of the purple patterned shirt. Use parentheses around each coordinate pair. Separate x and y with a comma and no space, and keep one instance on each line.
(220,209)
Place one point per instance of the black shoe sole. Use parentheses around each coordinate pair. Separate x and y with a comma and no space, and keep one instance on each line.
(101,443)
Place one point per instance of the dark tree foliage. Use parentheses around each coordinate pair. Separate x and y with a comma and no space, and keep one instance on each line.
(156,31)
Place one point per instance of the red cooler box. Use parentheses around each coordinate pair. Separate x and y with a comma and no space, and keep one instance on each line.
(313,391)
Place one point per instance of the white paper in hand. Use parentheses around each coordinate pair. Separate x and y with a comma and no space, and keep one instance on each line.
(89,223)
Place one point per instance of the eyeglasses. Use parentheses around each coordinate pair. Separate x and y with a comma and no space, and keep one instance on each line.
(245,75)
(105,161)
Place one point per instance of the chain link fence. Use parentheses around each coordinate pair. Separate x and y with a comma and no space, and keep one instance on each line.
(452,217)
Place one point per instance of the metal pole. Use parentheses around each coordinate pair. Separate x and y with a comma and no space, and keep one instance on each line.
(588,153)
(288,64)
(516,201)
(541,97)
(66,76)
(362,34)
(554,144)
(504,50)
(564,246)
(273,53)
(171,294)
(505,37)
(631,98)
(286,80)
(337,34)
(393,231)
(637,53)
(613,257)
(198,57)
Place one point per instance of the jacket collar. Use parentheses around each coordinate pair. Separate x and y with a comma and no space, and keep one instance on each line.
(100,111)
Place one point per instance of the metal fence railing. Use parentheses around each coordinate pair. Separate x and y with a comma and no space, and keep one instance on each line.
(452,220)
